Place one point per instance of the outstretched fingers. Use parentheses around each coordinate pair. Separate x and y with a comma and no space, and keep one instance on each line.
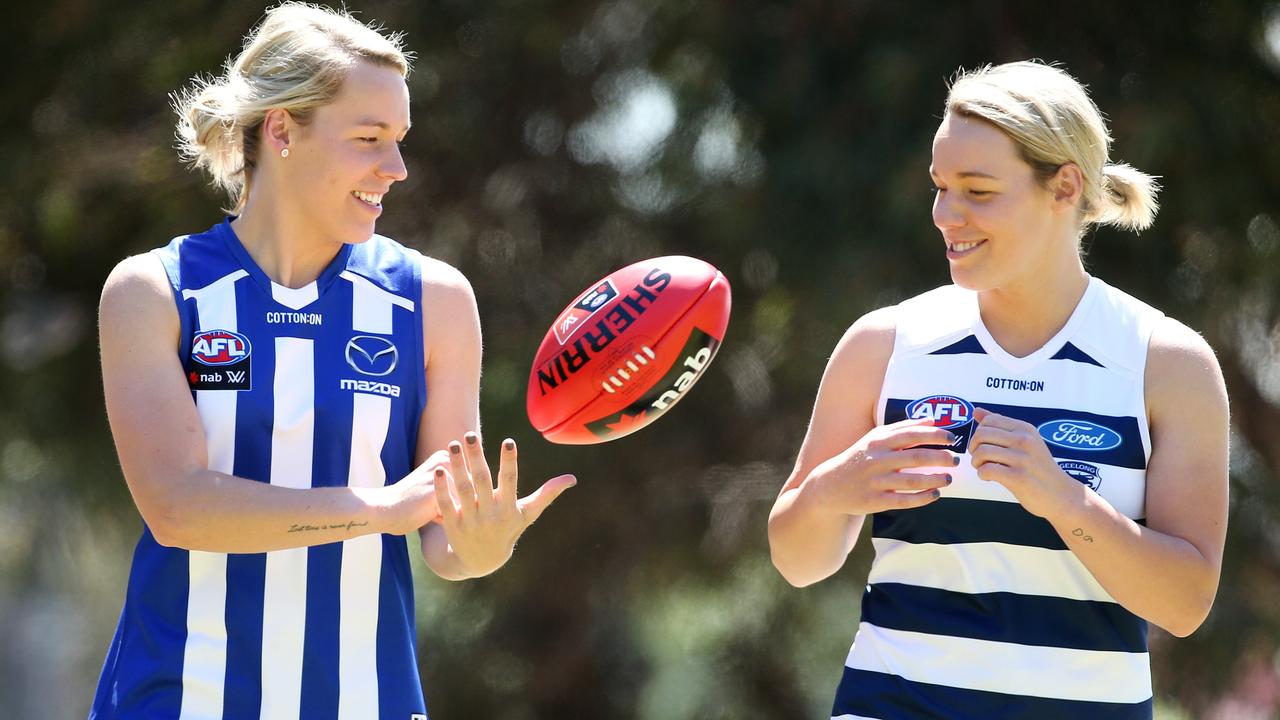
(460,476)
(508,472)
(531,507)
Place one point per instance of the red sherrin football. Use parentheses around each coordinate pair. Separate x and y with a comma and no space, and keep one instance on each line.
(627,349)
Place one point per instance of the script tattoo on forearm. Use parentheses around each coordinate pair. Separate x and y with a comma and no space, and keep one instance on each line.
(336,526)
(1079,532)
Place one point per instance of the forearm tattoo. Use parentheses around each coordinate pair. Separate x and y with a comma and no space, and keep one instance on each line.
(336,526)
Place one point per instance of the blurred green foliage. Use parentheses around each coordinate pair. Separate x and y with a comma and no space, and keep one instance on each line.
(787,143)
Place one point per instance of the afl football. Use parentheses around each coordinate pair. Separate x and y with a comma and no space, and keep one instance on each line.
(627,349)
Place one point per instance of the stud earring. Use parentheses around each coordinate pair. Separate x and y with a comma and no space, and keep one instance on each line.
(284,152)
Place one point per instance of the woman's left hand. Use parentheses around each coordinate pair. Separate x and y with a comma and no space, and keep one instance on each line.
(1012,453)
(483,522)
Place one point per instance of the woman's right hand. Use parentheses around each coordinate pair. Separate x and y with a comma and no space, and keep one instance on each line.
(413,499)
(883,470)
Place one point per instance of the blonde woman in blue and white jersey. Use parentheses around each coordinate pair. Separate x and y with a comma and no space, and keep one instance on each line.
(1043,456)
(289,395)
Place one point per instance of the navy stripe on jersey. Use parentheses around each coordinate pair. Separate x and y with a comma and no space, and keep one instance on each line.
(960,520)
(1071,352)
(1128,454)
(879,695)
(948,520)
(1005,617)
(968,346)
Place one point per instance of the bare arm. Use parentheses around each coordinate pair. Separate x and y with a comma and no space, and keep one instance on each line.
(161,444)
(479,522)
(847,467)
(1166,572)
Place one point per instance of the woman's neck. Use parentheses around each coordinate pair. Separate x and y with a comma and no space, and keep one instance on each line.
(286,248)
(1023,316)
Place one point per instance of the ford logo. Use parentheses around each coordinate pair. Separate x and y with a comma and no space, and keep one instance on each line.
(1079,435)
(372,355)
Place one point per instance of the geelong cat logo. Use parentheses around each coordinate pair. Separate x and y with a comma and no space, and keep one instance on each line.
(1085,473)
(219,347)
(942,411)
(1079,435)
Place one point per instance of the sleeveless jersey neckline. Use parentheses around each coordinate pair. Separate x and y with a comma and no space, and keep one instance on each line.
(293,298)
(1022,364)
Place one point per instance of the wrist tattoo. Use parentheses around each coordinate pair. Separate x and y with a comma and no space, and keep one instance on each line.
(335,526)
(1079,532)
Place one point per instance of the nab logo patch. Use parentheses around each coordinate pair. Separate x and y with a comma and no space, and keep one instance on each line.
(594,299)
(1079,435)
(219,347)
(942,411)
(372,355)
(1084,472)
(220,360)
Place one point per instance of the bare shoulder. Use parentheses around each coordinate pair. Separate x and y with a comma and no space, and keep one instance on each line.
(443,282)
(868,344)
(137,288)
(1182,368)
(450,318)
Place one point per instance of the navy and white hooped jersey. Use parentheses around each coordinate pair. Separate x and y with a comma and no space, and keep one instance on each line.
(974,607)
(320,386)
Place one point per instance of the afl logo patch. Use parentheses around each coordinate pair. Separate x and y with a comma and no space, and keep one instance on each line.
(372,355)
(594,299)
(1084,472)
(219,347)
(1079,435)
(942,411)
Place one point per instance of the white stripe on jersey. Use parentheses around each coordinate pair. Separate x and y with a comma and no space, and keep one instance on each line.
(362,569)
(1002,667)
(371,305)
(204,657)
(285,592)
(985,567)
(295,298)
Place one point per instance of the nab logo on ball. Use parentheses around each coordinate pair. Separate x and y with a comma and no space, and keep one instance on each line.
(220,360)
(219,347)
(942,411)
(1085,473)
(1079,435)
(577,313)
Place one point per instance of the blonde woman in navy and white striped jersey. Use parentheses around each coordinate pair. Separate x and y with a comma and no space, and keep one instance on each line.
(282,389)
(1044,457)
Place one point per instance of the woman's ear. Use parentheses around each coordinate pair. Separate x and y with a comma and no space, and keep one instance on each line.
(278,128)
(1067,186)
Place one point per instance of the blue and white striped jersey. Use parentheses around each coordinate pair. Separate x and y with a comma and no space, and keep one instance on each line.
(974,607)
(320,386)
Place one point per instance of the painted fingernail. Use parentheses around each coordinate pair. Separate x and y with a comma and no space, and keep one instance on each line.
(439,472)
(471,438)
(509,444)
(949,478)
(937,494)
(455,447)
(952,436)
(955,459)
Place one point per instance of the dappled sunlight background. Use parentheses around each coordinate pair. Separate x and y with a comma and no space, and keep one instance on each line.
(787,144)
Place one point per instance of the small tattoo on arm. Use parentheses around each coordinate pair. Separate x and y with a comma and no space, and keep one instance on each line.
(1079,532)
(335,526)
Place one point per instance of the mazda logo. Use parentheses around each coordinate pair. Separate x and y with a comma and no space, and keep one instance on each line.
(371,355)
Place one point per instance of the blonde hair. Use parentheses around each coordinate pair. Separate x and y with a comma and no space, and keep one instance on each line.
(296,59)
(1052,121)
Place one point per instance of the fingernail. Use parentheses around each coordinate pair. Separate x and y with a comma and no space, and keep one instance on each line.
(948,478)
(955,459)
(509,444)
(471,438)
(455,448)
(937,494)
(439,472)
